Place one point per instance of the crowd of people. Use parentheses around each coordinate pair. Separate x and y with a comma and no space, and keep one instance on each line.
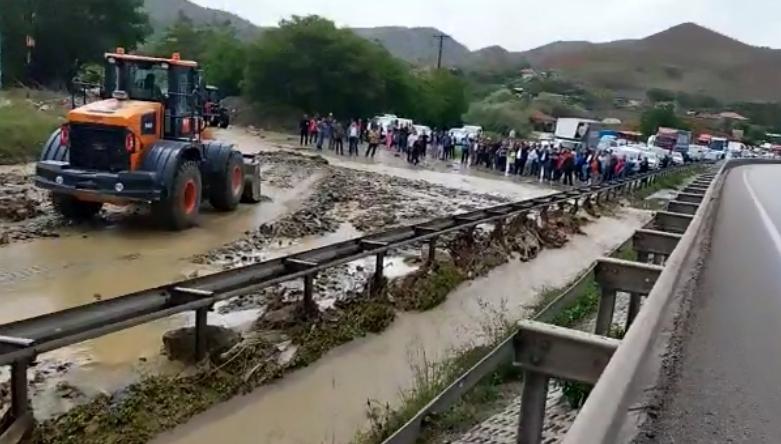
(550,162)
(544,161)
(331,133)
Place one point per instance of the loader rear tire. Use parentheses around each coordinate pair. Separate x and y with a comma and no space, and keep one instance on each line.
(180,209)
(73,208)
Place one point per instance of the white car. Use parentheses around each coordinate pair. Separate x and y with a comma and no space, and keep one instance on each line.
(698,152)
(473,131)
(714,155)
(458,135)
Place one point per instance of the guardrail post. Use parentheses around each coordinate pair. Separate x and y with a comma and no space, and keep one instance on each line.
(535,393)
(310,308)
(201,316)
(607,304)
(635,301)
(20,405)
(432,251)
(378,270)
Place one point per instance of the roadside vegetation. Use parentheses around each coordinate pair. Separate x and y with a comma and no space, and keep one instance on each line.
(25,124)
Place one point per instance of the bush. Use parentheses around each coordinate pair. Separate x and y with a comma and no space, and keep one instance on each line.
(23,129)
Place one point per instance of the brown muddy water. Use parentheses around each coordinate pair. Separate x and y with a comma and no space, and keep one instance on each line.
(85,265)
(81,267)
(327,402)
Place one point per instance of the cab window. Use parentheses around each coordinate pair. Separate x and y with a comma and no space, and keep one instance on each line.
(147,82)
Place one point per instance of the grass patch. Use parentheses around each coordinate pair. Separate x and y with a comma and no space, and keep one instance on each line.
(354,321)
(671,181)
(584,306)
(427,288)
(159,403)
(23,128)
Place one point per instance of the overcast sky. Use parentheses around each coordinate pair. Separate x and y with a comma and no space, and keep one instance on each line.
(525,24)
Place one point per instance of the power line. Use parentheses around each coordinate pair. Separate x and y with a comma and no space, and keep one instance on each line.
(441,38)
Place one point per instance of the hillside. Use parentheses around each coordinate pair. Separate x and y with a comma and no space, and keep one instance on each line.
(164,12)
(687,57)
(416,45)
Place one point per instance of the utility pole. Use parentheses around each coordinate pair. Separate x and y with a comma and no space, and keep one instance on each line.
(441,38)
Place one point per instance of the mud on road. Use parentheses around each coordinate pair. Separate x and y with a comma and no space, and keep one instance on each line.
(25,212)
(368,202)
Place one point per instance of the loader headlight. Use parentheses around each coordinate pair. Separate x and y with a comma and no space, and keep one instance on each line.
(119,187)
(59,180)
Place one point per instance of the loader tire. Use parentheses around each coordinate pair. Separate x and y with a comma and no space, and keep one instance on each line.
(225,193)
(180,209)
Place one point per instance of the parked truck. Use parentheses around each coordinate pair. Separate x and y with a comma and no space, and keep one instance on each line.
(673,140)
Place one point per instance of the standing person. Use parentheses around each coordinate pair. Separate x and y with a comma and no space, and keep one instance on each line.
(544,161)
(374,141)
(520,160)
(533,160)
(388,137)
(465,151)
(411,139)
(313,130)
(568,166)
(353,136)
(509,167)
(322,129)
(303,129)
(415,149)
(329,133)
(644,165)
(446,144)
(339,138)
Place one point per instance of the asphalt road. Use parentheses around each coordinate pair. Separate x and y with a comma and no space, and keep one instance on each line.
(729,385)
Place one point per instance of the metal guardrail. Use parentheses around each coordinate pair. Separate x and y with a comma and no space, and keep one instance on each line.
(612,276)
(615,408)
(22,341)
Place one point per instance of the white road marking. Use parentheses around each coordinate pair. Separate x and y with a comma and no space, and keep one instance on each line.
(769,225)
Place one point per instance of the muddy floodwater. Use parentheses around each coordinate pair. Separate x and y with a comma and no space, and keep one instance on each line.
(327,402)
(85,264)
(81,267)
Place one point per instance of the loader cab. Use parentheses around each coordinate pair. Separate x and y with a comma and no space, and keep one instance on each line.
(174,83)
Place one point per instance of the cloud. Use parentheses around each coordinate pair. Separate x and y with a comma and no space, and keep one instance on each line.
(525,24)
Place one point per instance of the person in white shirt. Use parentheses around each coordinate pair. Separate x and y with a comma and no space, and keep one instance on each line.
(352,137)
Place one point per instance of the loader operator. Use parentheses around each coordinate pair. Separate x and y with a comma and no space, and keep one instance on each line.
(150,86)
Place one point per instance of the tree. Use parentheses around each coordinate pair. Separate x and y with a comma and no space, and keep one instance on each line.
(310,64)
(225,60)
(659,116)
(440,98)
(221,54)
(67,35)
